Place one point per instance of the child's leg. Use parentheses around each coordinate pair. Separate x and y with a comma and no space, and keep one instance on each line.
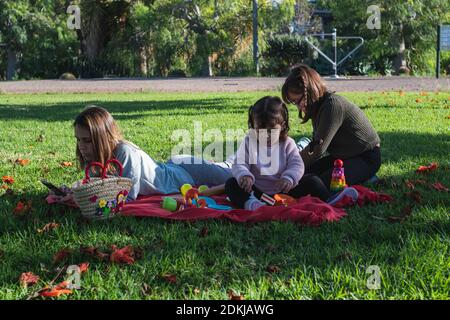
(203,171)
(237,195)
(310,184)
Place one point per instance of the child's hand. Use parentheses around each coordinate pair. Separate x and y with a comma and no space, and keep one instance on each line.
(246,183)
(284,185)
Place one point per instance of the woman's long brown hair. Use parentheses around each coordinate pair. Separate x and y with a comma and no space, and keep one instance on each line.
(105,133)
(307,82)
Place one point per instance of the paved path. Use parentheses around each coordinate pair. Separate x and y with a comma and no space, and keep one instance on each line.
(219,85)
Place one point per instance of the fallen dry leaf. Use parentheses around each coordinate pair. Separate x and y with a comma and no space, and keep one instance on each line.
(22,207)
(170,278)
(48,227)
(439,187)
(124,255)
(94,252)
(28,279)
(62,255)
(66,164)
(425,169)
(83,267)
(56,291)
(146,289)
(8,179)
(233,296)
(22,162)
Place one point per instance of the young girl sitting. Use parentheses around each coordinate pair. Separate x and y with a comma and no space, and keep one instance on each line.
(99,139)
(268,160)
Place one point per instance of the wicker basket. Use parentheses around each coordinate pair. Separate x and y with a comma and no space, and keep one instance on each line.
(104,197)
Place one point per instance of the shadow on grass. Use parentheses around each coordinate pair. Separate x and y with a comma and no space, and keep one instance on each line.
(123,110)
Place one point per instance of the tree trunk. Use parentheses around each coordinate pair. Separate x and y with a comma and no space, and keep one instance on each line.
(93,38)
(143,67)
(400,66)
(11,64)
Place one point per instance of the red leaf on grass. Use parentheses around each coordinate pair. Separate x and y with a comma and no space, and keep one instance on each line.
(83,267)
(56,291)
(22,207)
(424,169)
(8,179)
(22,162)
(170,278)
(439,187)
(28,279)
(124,255)
(61,255)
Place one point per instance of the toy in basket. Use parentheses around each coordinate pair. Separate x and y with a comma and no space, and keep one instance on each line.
(102,197)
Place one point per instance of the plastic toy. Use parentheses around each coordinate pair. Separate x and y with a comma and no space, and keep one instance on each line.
(278,199)
(170,204)
(211,204)
(268,199)
(184,188)
(338,176)
(284,200)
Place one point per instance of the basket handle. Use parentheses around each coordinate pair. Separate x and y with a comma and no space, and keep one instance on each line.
(103,168)
(112,161)
(88,167)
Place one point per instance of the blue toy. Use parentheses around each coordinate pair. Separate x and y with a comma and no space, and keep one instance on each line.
(212,204)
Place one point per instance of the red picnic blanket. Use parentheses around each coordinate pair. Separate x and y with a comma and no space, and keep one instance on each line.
(308,210)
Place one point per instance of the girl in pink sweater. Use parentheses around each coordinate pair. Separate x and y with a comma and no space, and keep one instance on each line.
(268,160)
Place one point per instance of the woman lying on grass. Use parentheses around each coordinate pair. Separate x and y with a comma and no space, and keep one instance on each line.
(99,140)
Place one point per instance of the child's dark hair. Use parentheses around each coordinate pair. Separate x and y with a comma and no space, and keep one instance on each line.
(268,112)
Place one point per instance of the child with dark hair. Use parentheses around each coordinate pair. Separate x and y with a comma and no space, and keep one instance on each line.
(268,160)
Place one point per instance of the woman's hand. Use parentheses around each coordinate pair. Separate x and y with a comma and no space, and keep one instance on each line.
(246,183)
(284,185)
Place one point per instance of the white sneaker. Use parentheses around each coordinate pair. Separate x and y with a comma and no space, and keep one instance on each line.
(253,203)
(302,143)
(349,192)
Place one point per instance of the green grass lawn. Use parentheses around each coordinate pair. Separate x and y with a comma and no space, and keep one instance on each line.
(325,262)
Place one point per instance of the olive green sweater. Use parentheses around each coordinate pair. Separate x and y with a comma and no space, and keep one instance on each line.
(339,128)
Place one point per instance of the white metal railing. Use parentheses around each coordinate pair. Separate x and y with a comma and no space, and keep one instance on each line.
(334,36)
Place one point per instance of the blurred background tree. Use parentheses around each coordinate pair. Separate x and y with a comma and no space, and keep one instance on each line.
(160,38)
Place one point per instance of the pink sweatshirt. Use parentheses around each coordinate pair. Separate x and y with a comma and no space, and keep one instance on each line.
(266,167)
